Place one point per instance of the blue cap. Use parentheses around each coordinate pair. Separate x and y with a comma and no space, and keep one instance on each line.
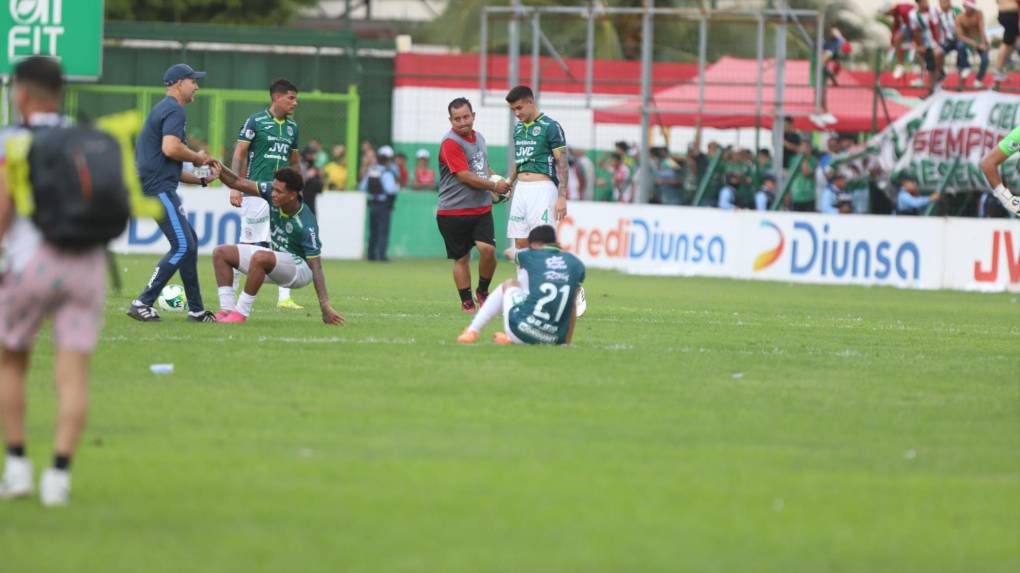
(178,72)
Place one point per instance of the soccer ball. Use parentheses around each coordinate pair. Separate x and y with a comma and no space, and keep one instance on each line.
(496,197)
(172,298)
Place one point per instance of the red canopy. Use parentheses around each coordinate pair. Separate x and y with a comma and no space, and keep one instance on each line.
(730,92)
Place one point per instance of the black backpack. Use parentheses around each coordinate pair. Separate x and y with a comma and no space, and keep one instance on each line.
(78,188)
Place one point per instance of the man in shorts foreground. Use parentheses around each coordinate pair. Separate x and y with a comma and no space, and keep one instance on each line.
(293,262)
(540,308)
(464,211)
(42,281)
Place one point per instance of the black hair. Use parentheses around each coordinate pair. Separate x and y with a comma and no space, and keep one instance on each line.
(765,152)
(544,234)
(291,178)
(281,86)
(459,103)
(42,72)
(518,93)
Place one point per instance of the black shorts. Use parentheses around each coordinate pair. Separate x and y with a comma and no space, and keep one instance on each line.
(1010,26)
(460,232)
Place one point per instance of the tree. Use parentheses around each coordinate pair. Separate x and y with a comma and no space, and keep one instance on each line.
(252,12)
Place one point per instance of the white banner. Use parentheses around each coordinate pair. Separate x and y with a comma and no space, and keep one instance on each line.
(905,252)
(648,239)
(982,255)
(947,127)
(341,217)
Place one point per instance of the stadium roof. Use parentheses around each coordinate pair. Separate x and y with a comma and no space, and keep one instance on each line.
(730,100)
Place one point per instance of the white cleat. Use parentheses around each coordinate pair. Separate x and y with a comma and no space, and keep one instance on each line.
(55,488)
(17,480)
(580,302)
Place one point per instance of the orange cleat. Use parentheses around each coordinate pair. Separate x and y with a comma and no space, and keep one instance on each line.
(502,338)
(467,337)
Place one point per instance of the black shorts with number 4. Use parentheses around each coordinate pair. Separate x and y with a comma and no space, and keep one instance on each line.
(460,232)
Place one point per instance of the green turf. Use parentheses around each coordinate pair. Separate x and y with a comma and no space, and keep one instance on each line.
(696,425)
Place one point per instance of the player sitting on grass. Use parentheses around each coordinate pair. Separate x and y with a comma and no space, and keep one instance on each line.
(542,310)
(292,263)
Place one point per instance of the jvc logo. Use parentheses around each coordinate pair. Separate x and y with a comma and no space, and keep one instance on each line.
(38,25)
(280,148)
(1012,260)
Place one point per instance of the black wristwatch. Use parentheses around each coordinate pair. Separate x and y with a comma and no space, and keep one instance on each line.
(204,181)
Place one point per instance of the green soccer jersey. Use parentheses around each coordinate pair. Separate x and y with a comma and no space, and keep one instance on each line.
(554,277)
(1011,145)
(297,234)
(270,143)
(534,144)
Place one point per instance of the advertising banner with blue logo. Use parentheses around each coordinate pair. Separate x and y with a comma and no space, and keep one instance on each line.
(341,218)
(903,252)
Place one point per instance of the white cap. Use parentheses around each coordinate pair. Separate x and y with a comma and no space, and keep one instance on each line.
(386,151)
(422,154)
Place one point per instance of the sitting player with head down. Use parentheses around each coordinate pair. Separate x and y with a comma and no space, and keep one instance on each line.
(292,263)
(540,311)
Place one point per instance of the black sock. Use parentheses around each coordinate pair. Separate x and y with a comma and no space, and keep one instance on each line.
(16,450)
(62,462)
(483,284)
(465,294)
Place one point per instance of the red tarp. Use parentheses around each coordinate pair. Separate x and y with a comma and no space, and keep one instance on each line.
(730,95)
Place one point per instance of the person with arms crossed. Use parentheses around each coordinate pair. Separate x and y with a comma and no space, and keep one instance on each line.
(43,280)
(160,154)
(293,261)
(1007,148)
(540,308)
(464,212)
(268,141)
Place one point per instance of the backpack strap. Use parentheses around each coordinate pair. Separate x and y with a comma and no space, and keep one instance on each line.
(17,173)
(121,127)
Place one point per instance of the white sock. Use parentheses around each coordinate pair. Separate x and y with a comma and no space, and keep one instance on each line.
(237,279)
(245,303)
(492,308)
(226,298)
(284,294)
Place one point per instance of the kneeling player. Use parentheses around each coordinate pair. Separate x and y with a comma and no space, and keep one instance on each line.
(541,311)
(294,261)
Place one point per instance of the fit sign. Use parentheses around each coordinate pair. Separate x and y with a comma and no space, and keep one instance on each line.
(69,30)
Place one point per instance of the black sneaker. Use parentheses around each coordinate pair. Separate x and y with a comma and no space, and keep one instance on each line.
(203,316)
(142,312)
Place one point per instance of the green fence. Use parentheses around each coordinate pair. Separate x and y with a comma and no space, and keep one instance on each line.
(216,115)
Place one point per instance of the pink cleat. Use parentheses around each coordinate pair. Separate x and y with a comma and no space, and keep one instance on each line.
(221,315)
(233,317)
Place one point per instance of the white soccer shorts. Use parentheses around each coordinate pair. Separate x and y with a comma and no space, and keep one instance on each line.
(533,204)
(254,220)
(291,271)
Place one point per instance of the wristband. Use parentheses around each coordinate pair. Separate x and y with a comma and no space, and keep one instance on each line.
(204,182)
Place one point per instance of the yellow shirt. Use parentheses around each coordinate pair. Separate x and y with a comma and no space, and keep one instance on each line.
(336,175)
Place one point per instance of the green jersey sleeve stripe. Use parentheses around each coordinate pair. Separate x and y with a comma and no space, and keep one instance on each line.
(1011,144)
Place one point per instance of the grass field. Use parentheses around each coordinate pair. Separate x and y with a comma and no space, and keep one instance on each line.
(695,425)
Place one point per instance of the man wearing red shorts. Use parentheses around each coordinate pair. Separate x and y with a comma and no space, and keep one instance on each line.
(40,281)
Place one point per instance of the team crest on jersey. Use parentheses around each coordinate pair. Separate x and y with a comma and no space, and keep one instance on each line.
(249,133)
(536,131)
(290,131)
(478,163)
(290,228)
